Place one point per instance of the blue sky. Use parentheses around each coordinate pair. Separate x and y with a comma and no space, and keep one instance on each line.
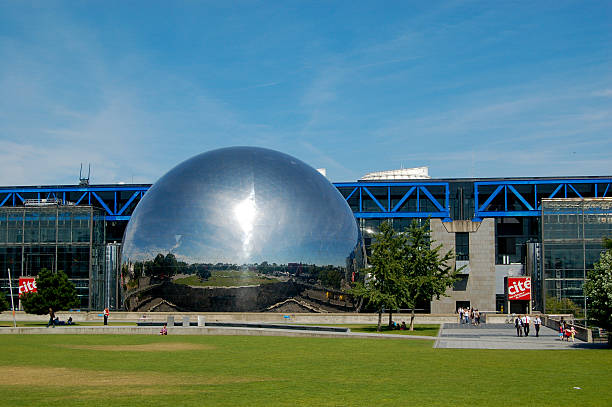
(468,88)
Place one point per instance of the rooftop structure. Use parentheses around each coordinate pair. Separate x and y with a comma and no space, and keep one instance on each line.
(401,174)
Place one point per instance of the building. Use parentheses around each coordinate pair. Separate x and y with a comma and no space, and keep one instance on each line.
(572,234)
(44,234)
(495,225)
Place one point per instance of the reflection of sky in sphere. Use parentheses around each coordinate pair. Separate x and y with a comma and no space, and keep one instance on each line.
(243,205)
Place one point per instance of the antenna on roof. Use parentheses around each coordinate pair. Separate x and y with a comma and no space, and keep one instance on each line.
(82,180)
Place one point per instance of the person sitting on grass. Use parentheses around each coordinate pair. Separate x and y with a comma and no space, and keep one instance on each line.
(164,330)
(69,322)
(403,326)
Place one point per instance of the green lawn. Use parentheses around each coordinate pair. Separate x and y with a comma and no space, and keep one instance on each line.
(43,324)
(419,329)
(226,278)
(105,370)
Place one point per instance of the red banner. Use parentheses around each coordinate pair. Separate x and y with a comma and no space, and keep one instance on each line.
(27,285)
(519,288)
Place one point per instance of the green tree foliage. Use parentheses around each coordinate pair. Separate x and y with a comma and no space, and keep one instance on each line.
(202,271)
(563,306)
(54,290)
(384,278)
(607,243)
(598,289)
(4,305)
(330,278)
(164,266)
(427,273)
(406,269)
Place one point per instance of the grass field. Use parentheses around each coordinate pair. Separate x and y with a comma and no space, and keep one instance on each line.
(419,329)
(226,278)
(105,370)
(44,324)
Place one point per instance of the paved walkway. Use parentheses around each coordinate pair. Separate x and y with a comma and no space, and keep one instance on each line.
(500,336)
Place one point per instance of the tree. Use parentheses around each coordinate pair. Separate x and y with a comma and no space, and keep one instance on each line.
(426,272)
(202,271)
(330,278)
(607,243)
(406,270)
(4,305)
(54,290)
(382,288)
(598,289)
(563,305)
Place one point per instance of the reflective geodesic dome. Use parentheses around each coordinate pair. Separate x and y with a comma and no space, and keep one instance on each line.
(240,229)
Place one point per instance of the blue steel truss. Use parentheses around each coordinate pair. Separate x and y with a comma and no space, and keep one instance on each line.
(406,199)
(524,197)
(397,199)
(118,201)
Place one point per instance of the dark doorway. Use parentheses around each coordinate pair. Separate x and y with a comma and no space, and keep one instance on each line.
(462,304)
(519,307)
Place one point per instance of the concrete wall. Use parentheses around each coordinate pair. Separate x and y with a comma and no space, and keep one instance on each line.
(265,317)
(480,291)
(506,270)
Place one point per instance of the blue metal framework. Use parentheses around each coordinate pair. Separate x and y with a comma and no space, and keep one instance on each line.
(118,201)
(397,199)
(524,197)
(370,200)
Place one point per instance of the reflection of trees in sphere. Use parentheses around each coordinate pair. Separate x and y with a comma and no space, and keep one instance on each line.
(240,229)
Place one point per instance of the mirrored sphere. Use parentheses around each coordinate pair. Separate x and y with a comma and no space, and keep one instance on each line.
(241,229)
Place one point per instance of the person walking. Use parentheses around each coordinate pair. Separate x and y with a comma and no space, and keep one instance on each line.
(106,314)
(536,324)
(460,312)
(526,324)
(51,318)
(518,324)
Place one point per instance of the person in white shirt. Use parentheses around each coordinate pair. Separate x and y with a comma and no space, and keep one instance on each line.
(536,323)
(526,325)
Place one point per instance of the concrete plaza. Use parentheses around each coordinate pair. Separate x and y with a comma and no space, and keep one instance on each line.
(500,336)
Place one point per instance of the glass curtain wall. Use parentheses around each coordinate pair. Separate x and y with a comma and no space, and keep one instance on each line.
(55,238)
(572,241)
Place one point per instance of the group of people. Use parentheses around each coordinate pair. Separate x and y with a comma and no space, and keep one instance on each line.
(566,331)
(522,323)
(53,320)
(395,325)
(469,316)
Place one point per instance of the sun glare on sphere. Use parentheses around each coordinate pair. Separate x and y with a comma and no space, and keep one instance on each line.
(245,213)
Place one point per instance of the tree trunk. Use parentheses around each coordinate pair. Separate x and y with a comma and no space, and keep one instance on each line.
(412,319)
(390,319)
(378,329)
(360,304)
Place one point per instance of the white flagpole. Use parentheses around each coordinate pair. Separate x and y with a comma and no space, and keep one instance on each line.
(12,303)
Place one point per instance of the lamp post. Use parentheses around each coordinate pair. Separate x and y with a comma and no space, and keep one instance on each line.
(11,291)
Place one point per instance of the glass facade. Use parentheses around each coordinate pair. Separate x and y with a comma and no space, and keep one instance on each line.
(241,229)
(572,241)
(511,236)
(461,200)
(54,237)
(462,246)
